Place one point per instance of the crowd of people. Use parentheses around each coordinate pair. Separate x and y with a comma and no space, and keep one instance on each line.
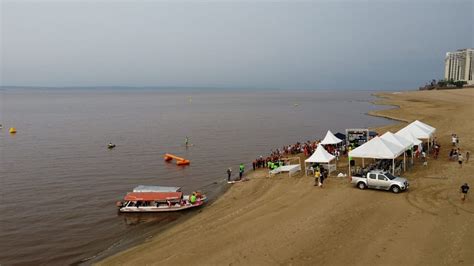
(276,156)
(455,154)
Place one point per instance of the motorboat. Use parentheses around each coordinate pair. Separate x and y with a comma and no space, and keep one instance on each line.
(159,201)
(111,146)
(143,188)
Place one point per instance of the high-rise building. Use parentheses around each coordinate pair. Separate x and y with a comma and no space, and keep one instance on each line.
(458,66)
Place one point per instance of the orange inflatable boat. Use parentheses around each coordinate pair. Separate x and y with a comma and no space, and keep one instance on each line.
(179,161)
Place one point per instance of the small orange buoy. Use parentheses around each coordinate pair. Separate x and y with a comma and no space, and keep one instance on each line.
(12,130)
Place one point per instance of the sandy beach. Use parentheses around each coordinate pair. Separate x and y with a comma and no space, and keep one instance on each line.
(282,220)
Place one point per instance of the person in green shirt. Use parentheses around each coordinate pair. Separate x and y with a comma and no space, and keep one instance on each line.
(241,170)
(192,199)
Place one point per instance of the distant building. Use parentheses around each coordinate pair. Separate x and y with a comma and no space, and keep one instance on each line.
(458,66)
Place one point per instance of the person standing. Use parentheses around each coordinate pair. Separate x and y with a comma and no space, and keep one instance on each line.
(467,156)
(241,170)
(460,159)
(464,190)
(229,173)
(321,178)
(317,175)
(186,141)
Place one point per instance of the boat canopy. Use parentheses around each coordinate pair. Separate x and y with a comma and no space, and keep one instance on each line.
(143,188)
(153,196)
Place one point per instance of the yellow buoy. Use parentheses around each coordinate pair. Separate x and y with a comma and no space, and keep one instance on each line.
(12,130)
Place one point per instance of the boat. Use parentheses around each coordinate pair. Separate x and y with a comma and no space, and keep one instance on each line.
(153,201)
(143,188)
(111,146)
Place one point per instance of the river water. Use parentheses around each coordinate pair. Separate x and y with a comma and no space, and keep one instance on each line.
(59,182)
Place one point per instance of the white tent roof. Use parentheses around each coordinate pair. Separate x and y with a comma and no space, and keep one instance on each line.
(409,136)
(320,155)
(399,140)
(330,139)
(424,126)
(417,131)
(377,148)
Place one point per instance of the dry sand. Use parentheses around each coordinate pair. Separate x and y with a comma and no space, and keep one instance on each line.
(282,220)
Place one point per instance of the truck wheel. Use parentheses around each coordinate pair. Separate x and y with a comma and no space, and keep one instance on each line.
(395,189)
(361,185)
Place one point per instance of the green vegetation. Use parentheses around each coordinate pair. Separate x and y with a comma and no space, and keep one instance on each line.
(443,84)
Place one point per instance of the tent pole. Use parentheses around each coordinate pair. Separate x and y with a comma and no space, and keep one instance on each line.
(349,174)
(404,161)
(393,166)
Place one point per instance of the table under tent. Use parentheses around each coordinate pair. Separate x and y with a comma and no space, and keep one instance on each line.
(322,157)
(406,144)
(290,168)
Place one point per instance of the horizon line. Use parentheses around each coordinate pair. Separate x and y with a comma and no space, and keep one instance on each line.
(187,87)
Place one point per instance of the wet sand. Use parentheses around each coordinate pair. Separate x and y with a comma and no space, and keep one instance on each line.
(282,220)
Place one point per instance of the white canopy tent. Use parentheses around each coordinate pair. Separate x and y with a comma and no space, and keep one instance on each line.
(417,131)
(400,141)
(330,139)
(429,128)
(409,136)
(377,148)
(320,155)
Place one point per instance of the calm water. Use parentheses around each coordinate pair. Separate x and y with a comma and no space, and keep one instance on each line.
(59,182)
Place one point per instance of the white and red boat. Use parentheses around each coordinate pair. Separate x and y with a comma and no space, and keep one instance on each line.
(160,201)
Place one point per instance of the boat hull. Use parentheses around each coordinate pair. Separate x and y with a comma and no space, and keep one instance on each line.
(162,208)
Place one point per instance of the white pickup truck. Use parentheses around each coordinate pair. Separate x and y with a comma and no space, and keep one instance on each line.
(380,180)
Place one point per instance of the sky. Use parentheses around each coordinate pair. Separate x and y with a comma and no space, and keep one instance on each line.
(358,44)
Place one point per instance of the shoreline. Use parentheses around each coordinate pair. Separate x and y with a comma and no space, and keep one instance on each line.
(143,238)
(236,200)
(385,103)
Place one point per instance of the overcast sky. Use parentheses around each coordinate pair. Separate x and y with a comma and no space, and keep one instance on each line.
(254,44)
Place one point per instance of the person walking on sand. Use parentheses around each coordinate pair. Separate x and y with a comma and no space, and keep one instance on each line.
(467,156)
(317,175)
(229,173)
(460,159)
(464,190)
(321,178)
(241,171)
